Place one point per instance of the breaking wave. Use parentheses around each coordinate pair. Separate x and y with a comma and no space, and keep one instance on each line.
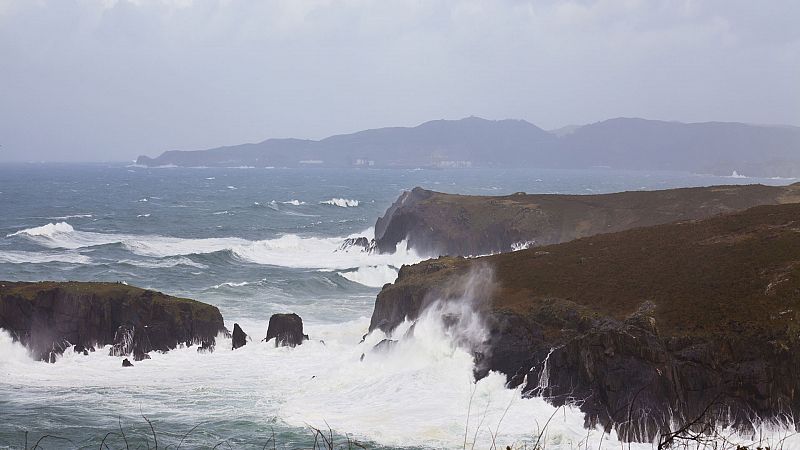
(341,202)
(372,276)
(72,216)
(163,263)
(289,250)
(23,257)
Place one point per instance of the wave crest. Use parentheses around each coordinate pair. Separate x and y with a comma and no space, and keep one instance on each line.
(289,250)
(341,202)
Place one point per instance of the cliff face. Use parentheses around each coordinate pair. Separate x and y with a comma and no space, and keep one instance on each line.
(49,316)
(640,327)
(446,224)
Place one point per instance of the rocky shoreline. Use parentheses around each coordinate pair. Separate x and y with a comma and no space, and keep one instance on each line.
(50,317)
(435,223)
(643,329)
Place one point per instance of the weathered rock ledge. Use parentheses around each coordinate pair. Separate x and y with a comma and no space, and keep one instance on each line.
(47,317)
(435,223)
(643,328)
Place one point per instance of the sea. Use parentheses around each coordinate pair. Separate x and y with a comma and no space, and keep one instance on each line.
(255,242)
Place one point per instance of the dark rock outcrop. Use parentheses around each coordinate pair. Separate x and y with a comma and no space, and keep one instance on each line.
(384,345)
(47,317)
(80,348)
(361,243)
(206,347)
(446,224)
(126,363)
(640,327)
(239,338)
(286,329)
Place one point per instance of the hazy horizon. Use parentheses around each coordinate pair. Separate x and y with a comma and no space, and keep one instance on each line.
(110,80)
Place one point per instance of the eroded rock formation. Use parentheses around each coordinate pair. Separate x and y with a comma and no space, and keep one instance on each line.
(286,329)
(48,317)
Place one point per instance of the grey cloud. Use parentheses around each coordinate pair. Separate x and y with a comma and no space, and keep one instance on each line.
(107,80)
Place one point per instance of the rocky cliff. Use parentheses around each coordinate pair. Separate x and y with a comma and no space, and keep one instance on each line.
(643,328)
(446,224)
(47,317)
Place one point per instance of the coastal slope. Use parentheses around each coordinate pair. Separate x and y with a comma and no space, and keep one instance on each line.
(436,223)
(642,329)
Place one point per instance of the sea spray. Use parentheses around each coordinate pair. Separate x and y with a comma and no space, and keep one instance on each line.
(420,392)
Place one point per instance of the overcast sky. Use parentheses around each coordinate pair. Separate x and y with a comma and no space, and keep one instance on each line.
(112,79)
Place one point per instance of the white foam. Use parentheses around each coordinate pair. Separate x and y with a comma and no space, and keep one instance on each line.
(45,230)
(71,216)
(419,392)
(232,284)
(22,257)
(372,276)
(163,263)
(289,250)
(341,202)
(522,245)
(294,203)
(63,235)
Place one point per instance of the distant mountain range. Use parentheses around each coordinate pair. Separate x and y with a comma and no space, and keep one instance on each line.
(624,143)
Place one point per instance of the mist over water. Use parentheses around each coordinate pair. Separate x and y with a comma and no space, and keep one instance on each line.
(256,242)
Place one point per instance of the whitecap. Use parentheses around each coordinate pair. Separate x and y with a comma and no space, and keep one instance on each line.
(289,250)
(341,202)
(71,216)
(163,263)
(372,276)
(232,284)
(22,257)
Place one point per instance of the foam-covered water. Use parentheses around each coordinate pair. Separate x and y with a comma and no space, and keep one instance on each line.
(257,242)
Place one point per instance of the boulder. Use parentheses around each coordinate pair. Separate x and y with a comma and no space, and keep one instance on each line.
(47,317)
(286,329)
(239,338)
(126,363)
